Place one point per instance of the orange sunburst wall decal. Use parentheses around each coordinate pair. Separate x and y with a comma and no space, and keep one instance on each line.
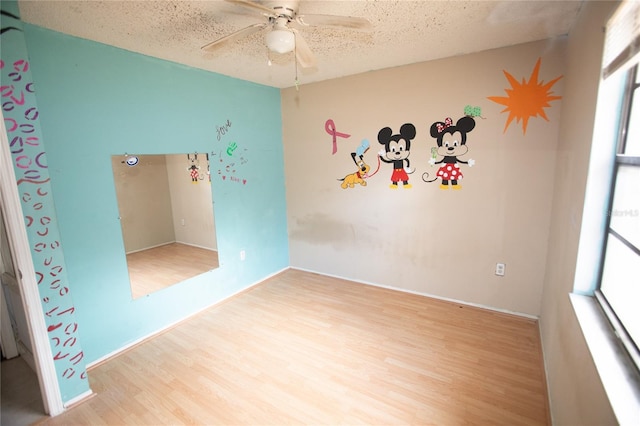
(526,99)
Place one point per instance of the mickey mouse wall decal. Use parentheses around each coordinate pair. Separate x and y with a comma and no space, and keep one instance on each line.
(396,151)
(451,139)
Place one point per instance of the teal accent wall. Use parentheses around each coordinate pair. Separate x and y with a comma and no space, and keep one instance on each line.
(97,101)
(21,114)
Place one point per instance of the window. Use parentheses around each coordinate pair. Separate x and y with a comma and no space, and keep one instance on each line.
(619,284)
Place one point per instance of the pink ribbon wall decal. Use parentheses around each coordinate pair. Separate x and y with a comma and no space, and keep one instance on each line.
(330,127)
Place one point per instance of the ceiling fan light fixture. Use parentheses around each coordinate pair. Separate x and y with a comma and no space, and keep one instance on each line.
(281,41)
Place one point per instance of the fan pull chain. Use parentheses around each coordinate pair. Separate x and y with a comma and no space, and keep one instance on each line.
(295,59)
(297,82)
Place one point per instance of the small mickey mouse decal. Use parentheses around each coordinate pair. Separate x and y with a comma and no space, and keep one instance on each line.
(396,151)
(451,140)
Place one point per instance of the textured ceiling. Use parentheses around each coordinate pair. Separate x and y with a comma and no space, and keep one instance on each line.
(403,32)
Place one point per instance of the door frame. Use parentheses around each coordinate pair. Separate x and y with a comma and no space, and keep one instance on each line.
(19,245)
(7,338)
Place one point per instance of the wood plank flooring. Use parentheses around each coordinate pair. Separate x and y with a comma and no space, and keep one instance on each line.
(302,348)
(159,267)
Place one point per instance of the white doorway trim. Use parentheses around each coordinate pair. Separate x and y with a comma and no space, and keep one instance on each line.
(19,243)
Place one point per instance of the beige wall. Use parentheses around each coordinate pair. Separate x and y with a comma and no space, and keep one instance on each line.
(576,393)
(144,202)
(520,204)
(159,204)
(424,239)
(191,203)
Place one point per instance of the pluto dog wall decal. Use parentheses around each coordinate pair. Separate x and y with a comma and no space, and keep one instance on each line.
(526,99)
(358,177)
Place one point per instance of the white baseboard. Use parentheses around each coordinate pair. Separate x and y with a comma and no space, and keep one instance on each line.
(446,299)
(171,242)
(197,246)
(173,324)
(80,398)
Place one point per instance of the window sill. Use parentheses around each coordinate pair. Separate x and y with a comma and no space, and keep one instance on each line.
(619,376)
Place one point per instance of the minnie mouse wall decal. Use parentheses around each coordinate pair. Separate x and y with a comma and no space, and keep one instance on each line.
(451,139)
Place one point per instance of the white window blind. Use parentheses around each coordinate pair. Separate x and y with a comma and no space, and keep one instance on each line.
(622,41)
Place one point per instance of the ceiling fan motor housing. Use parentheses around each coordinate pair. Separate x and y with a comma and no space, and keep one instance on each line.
(283,38)
(280,39)
(284,8)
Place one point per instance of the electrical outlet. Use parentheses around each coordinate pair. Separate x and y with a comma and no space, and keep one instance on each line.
(500,267)
(242,255)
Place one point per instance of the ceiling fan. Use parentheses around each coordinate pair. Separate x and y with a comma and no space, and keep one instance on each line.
(283,22)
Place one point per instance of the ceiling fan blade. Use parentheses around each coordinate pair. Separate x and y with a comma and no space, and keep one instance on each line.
(304,55)
(334,21)
(234,36)
(254,6)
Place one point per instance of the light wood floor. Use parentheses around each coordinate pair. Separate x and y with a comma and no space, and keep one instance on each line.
(159,267)
(302,348)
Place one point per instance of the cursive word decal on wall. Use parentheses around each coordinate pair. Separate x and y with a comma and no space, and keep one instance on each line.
(222,130)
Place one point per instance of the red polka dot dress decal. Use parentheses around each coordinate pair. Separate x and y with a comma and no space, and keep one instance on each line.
(452,144)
